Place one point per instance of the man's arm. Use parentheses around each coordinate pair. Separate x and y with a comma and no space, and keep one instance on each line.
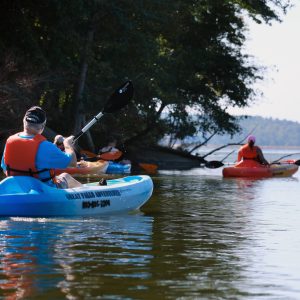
(69,148)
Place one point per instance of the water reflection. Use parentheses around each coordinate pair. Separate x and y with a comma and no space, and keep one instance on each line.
(26,257)
(114,249)
(41,254)
(216,236)
(199,237)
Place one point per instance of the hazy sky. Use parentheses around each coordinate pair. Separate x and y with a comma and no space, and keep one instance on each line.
(278,47)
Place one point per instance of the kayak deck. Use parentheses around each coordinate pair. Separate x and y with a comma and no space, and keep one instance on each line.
(27,196)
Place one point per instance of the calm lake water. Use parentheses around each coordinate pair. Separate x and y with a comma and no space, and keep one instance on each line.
(199,237)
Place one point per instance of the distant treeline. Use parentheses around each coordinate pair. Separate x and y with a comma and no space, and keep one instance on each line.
(268,132)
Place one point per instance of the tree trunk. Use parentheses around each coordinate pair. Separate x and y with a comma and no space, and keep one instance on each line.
(80,117)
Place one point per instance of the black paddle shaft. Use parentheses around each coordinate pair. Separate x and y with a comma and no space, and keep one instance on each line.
(117,100)
(214,164)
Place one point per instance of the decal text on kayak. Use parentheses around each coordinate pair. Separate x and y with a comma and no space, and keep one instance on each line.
(96,203)
(90,194)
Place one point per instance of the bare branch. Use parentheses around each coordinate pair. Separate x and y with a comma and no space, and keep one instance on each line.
(228,155)
(203,143)
(230,144)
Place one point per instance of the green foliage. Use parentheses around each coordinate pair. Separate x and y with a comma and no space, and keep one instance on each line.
(182,56)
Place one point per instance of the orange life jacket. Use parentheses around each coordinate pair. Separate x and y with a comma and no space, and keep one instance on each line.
(20,154)
(247,152)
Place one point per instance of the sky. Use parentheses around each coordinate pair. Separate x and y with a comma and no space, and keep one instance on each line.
(278,48)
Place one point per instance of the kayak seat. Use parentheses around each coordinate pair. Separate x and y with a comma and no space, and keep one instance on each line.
(132,178)
(21,184)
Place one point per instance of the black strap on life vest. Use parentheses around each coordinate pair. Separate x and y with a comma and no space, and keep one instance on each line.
(30,173)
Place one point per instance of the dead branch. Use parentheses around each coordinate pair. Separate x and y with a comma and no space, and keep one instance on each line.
(240,143)
(203,143)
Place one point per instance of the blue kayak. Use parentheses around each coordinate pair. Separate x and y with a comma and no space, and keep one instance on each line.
(27,196)
(117,168)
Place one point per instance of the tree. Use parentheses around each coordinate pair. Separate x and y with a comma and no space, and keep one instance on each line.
(184,57)
(200,53)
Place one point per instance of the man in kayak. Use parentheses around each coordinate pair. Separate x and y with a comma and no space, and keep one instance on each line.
(250,151)
(112,153)
(29,153)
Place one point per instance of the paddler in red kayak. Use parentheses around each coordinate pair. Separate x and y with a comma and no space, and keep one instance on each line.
(28,153)
(251,152)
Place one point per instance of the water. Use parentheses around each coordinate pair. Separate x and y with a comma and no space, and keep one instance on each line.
(199,237)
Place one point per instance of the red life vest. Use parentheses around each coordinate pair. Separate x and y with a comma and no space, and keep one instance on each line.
(247,152)
(20,154)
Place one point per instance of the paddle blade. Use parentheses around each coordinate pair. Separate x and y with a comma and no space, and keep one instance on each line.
(297,162)
(289,161)
(111,155)
(119,98)
(149,168)
(214,164)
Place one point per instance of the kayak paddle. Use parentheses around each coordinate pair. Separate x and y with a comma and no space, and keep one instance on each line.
(214,164)
(104,156)
(117,100)
(149,168)
(280,158)
(297,162)
(292,162)
(111,155)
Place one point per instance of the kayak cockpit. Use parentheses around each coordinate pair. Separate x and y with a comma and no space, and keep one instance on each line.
(22,185)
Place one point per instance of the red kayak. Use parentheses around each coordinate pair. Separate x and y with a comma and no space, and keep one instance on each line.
(253,169)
